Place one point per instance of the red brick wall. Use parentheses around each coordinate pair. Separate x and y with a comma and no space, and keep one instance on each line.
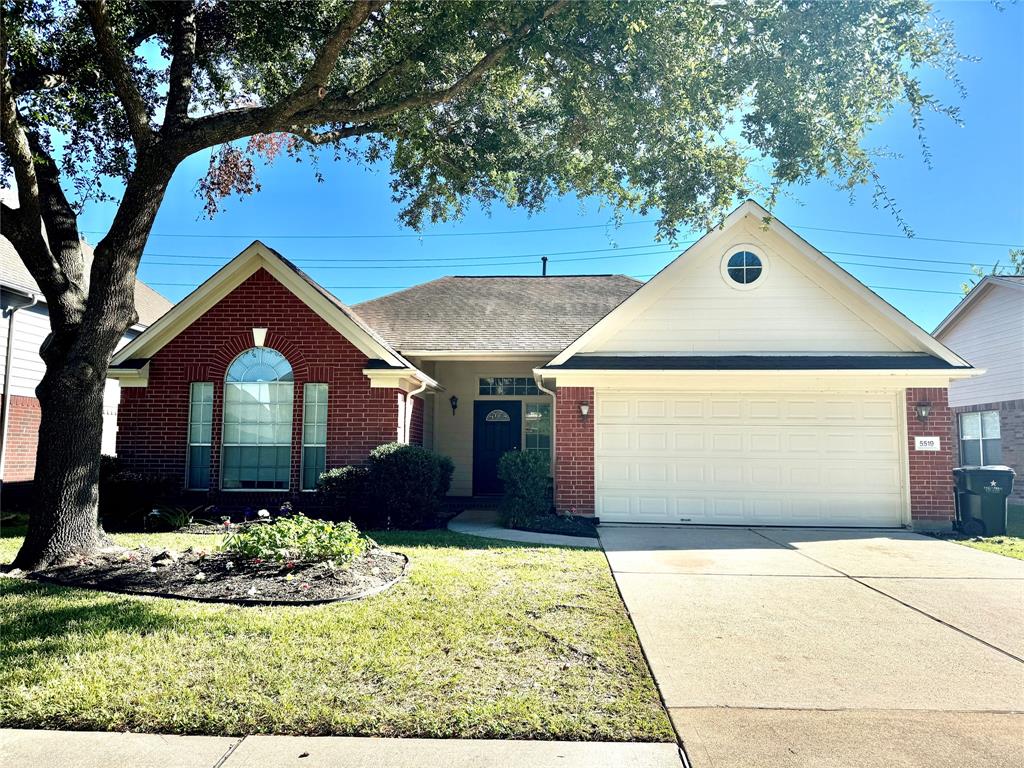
(574,451)
(152,421)
(22,440)
(931,479)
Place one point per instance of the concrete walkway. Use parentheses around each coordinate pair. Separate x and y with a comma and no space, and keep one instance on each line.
(484,523)
(828,648)
(67,749)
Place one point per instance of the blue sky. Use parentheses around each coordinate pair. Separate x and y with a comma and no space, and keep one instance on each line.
(973,192)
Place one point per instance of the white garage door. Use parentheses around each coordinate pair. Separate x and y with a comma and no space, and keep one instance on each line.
(748,459)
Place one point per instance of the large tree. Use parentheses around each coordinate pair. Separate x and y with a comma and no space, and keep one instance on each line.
(653,105)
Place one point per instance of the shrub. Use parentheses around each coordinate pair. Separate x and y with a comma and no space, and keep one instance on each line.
(407,485)
(344,491)
(299,539)
(525,477)
(168,518)
(127,497)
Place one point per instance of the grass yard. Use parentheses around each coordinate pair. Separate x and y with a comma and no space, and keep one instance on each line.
(1010,545)
(485,639)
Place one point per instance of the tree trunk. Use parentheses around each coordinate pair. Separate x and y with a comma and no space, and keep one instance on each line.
(63,522)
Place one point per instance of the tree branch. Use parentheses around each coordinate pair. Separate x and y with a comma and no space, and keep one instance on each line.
(489,61)
(313,88)
(234,124)
(183,57)
(112,57)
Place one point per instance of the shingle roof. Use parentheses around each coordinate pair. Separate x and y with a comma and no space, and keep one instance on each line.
(148,303)
(542,314)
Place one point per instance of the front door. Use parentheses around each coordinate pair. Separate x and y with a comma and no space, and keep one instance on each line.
(497,425)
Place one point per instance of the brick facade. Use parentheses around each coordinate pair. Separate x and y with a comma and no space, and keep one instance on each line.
(416,422)
(931,479)
(1011,438)
(153,420)
(22,440)
(574,451)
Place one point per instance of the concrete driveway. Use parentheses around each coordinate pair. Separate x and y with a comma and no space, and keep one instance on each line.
(797,648)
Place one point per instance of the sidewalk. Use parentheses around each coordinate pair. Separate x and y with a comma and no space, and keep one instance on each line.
(484,523)
(72,749)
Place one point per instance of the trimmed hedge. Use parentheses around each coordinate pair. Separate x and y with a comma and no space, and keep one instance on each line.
(401,486)
(527,486)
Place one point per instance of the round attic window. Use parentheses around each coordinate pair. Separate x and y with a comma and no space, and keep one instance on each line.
(744,267)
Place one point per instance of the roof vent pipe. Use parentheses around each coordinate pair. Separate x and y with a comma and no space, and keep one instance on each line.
(543,266)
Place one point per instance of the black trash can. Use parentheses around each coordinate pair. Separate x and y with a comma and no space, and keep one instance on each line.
(981,494)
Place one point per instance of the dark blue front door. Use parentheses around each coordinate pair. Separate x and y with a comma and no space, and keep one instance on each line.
(497,425)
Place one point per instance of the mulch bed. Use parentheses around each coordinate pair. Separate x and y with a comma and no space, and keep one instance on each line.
(220,577)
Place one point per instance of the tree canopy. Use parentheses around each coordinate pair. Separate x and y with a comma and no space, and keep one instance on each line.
(655,105)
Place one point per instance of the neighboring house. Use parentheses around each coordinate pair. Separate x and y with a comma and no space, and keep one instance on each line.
(25,326)
(987,328)
(752,381)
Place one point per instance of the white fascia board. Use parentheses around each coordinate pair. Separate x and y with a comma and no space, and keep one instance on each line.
(229,277)
(406,379)
(130,377)
(756,380)
(483,354)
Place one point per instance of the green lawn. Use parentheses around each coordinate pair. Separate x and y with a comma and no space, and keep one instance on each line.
(485,639)
(1010,545)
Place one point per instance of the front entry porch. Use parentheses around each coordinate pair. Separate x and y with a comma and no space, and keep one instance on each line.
(486,407)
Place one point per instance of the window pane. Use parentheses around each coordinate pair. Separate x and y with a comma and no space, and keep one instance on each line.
(970,426)
(970,452)
(199,434)
(989,424)
(992,451)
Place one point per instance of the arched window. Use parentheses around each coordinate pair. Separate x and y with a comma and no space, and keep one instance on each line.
(257,421)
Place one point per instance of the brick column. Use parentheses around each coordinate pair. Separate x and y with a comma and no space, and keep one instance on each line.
(931,479)
(574,451)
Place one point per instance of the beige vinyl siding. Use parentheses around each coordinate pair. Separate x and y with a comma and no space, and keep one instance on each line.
(453,434)
(31,327)
(786,310)
(990,335)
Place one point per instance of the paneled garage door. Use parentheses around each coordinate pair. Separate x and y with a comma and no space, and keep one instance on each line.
(748,459)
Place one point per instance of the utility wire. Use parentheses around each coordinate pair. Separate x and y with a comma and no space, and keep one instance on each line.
(418,236)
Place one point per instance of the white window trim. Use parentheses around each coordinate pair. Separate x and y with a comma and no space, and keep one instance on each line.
(303,444)
(980,440)
(731,251)
(188,437)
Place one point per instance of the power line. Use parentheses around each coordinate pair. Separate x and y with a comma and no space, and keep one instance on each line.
(422,235)
(905,237)
(666,248)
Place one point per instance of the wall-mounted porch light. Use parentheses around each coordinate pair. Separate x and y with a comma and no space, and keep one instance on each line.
(584,410)
(454,402)
(923,409)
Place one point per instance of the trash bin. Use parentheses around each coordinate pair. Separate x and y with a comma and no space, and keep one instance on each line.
(980,495)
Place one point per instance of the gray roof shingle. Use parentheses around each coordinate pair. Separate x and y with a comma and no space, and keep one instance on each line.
(148,303)
(493,314)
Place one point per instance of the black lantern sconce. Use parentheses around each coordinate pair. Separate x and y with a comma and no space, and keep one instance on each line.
(584,410)
(923,410)
(454,402)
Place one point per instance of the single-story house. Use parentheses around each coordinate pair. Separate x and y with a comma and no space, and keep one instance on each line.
(987,328)
(25,326)
(751,381)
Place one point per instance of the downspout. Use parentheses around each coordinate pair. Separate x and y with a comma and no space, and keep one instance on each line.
(539,381)
(409,405)
(8,358)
